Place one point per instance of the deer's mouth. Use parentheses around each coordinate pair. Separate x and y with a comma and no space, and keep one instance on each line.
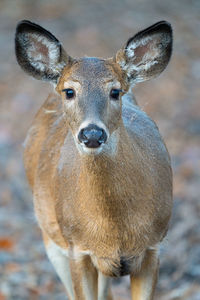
(84,149)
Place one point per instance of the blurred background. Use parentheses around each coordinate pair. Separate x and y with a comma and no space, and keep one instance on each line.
(100,28)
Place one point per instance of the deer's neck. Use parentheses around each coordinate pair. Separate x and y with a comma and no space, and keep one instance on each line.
(99,193)
(104,178)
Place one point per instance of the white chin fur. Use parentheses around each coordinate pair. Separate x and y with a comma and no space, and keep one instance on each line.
(89,151)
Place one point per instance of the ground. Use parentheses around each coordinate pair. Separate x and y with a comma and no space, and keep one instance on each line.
(100,28)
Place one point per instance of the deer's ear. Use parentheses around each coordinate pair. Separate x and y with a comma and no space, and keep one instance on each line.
(147,53)
(38,52)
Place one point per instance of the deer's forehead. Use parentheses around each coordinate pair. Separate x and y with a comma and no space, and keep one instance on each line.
(89,66)
(91,72)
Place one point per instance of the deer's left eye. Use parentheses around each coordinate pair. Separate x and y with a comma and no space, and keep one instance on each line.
(114,94)
(69,93)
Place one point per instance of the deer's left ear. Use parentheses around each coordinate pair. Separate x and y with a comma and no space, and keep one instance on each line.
(38,52)
(147,53)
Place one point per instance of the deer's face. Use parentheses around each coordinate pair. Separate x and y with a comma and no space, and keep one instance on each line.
(91,93)
(91,88)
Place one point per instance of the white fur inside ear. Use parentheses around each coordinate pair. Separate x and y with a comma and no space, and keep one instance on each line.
(135,44)
(144,65)
(143,53)
(42,54)
(147,60)
(153,40)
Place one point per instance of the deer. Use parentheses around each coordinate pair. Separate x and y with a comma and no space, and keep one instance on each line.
(99,170)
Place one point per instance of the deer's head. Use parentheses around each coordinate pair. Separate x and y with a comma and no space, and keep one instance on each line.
(91,88)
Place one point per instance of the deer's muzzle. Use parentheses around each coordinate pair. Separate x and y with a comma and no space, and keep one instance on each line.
(92,136)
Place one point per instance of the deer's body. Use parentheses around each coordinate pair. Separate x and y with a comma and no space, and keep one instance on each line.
(103,209)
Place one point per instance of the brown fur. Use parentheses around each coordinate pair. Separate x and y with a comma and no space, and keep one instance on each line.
(126,218)
(108,211)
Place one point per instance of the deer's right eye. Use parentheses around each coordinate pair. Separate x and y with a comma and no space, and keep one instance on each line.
(69,93)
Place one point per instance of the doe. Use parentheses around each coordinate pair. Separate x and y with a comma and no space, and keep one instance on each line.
(99,170)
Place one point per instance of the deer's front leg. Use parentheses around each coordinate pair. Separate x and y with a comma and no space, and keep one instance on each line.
(104,290)
(78,275)
(85,278)
(61,264)
(143,284)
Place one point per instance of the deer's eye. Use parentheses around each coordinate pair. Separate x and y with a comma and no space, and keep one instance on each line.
(69,93)
(114,94)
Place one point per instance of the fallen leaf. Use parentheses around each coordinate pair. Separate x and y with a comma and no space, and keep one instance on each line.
(6,244)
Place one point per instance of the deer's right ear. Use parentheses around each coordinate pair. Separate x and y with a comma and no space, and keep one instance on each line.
(39,53)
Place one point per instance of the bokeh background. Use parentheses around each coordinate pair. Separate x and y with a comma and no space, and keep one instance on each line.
(100,28)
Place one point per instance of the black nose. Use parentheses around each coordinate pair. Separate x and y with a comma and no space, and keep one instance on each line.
(92,136)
